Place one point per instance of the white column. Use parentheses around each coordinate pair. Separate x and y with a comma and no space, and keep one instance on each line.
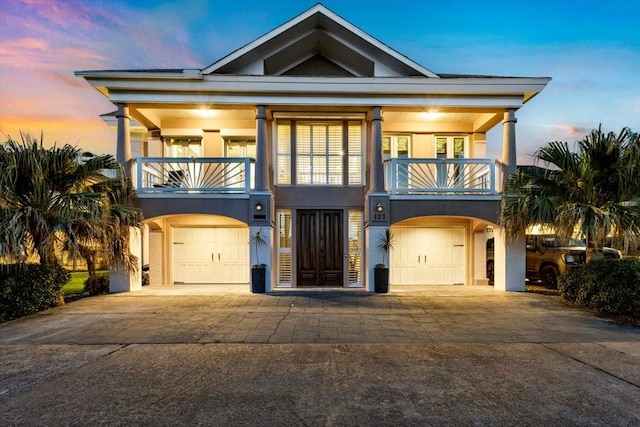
(509,262)
(266,253)
(376,169)
(124,281)
(509,157)
(123,147)
(261,167)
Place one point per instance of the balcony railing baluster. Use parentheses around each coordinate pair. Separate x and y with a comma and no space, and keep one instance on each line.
(194,175)
(157,175)
(441,176)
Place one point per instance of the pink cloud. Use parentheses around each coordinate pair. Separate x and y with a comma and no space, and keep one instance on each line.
(18,47)
(63,13)
(571,130)
(67,79)
(85,56)
(28,43)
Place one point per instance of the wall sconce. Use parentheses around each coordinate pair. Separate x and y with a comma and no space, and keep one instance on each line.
(258,206)
(379,207)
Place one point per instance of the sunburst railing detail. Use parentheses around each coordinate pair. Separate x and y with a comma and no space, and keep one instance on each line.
(441,176)
(189,175)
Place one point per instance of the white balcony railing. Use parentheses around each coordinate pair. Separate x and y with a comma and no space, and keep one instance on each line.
(194,175)
(443,176)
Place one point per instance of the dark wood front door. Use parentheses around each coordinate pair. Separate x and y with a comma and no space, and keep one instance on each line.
(319,248)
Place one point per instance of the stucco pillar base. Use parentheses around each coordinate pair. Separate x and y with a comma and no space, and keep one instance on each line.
(373,254)
(266,253)
(509,262)
(124,281)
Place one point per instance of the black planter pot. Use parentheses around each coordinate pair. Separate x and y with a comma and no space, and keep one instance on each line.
(381,280)
(258,279)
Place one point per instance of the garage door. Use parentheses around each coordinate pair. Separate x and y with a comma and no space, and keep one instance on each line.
(210,255)
(428,256)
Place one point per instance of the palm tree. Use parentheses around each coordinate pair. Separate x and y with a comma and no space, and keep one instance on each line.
(593,191)
(108,241)
(50,200)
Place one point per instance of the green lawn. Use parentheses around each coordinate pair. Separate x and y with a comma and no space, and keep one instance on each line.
(76,284)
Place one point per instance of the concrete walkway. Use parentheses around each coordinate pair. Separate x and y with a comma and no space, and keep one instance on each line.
(189,355)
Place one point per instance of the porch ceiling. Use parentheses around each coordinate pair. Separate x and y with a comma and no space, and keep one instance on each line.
(186,113)
(476,121)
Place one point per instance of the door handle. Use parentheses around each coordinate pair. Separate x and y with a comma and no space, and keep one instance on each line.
(418,259)
(211,256)
(218,256)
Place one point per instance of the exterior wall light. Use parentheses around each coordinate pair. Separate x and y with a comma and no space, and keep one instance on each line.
(258,206)
(379,207)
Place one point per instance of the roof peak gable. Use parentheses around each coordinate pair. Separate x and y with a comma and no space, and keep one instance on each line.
(317,31)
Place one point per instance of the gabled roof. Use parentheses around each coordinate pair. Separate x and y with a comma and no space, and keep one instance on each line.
(317,58)
(318,42)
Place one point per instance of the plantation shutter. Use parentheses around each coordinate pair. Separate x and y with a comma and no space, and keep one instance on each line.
(283,159)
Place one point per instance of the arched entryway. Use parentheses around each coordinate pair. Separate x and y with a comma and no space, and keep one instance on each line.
(434,250)
(197,249)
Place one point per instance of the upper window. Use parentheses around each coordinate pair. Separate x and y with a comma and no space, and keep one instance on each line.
(241,147)
(184,146)
(450,147)
(236,147)
(396,147)
(319,152)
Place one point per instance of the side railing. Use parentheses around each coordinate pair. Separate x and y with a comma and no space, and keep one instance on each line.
(193,175)
(443,176)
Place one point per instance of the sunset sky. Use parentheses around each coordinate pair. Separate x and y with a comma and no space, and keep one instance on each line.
(590,48)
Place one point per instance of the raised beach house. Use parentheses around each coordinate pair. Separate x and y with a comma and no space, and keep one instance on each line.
(321,137)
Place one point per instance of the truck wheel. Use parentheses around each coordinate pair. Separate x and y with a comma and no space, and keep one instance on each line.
(549,276)
(490,272)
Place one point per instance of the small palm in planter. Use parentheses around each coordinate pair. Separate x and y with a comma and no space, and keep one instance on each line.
(258,271)
(381,272)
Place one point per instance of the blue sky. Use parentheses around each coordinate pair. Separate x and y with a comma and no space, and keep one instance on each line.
(590,48)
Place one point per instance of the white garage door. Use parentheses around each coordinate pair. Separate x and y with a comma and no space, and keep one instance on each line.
(428,256)
(210,255)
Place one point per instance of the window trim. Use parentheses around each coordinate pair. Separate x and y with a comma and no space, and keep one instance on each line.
(450,145)
(292,122)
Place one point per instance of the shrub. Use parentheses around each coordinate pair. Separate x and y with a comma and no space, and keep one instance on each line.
(611,286)
(28,288)
(571,281)
(97,285)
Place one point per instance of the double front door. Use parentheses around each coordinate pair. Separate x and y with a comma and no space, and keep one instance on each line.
(320,253)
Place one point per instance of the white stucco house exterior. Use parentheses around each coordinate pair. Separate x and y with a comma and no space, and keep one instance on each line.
(321,137)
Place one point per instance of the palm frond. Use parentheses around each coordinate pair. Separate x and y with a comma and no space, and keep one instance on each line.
(593,190)
(49,198)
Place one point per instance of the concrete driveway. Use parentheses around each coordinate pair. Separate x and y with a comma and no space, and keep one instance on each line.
(188,355)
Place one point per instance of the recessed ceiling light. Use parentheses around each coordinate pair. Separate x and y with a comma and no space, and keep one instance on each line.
(431,115)
(205,112)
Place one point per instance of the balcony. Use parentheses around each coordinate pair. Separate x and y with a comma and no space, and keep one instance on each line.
(164,176)
(444,177)
(156,176)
